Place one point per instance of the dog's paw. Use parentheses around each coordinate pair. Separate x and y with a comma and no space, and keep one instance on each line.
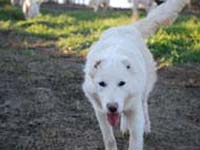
(110,145)
(147,126)
(125,134)
(147,129)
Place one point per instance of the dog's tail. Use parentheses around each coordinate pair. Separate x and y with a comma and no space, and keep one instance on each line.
(164,15)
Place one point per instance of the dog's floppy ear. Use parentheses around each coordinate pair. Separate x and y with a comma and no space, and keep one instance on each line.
(95,66)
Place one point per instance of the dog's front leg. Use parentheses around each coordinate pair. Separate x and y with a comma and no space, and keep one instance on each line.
(107,131)
(136,129)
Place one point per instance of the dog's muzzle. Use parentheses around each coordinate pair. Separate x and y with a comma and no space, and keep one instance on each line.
(113,115)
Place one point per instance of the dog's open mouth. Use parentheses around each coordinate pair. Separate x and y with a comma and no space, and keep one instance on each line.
(113,119)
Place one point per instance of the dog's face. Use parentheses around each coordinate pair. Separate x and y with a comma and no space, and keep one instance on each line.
(115,83)
(115,86)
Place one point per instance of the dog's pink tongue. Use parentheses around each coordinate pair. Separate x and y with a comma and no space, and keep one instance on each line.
(113,119)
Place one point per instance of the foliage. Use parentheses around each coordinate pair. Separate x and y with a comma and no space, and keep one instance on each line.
(76,30)
(179,42)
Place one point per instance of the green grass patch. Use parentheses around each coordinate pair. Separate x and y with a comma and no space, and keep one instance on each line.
(9,12)
(178,43)
(76,30)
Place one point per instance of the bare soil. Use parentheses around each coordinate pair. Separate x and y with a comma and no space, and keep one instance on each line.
(42,106)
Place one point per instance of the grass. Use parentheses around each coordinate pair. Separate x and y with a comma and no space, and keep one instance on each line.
(178,43)
(75,31)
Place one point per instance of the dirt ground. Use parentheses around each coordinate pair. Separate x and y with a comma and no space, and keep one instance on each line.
(42,106)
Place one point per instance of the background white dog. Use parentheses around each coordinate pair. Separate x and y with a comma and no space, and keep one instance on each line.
(148,5)
(120,73)
(95,4)
(31,8)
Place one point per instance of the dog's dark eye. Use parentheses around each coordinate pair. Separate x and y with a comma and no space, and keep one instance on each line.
(121,83)
(102,84)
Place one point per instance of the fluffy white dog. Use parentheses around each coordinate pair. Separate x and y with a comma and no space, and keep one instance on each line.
(147,4)
(98,3)
(120,73)
(31,8)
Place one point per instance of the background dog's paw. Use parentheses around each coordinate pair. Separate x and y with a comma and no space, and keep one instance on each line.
(147,129)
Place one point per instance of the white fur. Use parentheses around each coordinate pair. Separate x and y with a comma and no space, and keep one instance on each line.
(95,4)
(31,8)
(164,15)
(148,5)
(107,61)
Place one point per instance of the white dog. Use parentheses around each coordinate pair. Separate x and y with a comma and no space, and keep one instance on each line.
(31,8)
(98,3)
(120,73)
(148,5)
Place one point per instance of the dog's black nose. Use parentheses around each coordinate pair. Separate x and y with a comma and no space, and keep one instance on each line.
(112,107)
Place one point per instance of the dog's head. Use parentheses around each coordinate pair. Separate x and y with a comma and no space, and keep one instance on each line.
(114,83)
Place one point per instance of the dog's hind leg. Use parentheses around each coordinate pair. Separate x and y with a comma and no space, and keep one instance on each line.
(150,84)
(107,131)
(147,124)
(135,14)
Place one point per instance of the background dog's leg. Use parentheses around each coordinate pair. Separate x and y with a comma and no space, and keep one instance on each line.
(106,129)
(135,14)
(96,7)
(136,129)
